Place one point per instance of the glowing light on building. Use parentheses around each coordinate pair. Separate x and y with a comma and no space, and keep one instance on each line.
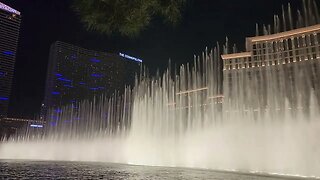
(94,60)
(130,57)
(9,9)
(36,125)
(4,99)
(64,79)
(97,75)
(96,88)
(55,93)
(8,53)
(69,86)
(192,91)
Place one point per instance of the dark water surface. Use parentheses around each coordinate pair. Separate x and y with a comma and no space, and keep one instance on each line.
(81,170)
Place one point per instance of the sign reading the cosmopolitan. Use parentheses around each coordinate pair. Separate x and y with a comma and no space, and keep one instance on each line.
(9,9)
(130,57)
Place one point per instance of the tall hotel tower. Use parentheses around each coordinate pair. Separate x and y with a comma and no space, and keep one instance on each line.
(9,34)
(76,74)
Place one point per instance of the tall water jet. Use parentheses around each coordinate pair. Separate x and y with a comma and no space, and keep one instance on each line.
(253,111)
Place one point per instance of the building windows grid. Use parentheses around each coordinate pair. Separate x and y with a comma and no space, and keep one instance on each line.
(9,35)
(282,51)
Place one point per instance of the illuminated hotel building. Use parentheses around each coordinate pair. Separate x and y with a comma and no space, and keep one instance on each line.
(76,74)
(279,69)
(277,49)
(289,58)
(9,34)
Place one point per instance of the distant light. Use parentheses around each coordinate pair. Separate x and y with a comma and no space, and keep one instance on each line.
(64,79)
(8,53)
(74,57)
(9,9)
(94,60)
(97,75)
(82,83)
(58,75)
(66,85)
(4,99)
(96,88)
(36,126)
(2,74)
(130,57)
(55,93)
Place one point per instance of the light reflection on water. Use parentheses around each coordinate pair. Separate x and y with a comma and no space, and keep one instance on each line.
(80,170)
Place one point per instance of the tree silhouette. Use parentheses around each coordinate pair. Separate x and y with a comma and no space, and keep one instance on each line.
(127,17)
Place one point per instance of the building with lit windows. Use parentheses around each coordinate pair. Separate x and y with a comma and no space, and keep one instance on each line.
(76,74)
(9,35)
(289,60)
(12,126)
(277,49)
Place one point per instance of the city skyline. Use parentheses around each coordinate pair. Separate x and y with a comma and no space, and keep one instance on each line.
(191,36)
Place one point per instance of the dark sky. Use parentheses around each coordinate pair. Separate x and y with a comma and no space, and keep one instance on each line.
(204,23)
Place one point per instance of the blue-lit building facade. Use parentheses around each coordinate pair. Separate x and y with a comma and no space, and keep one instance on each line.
(76,74)
(9,35)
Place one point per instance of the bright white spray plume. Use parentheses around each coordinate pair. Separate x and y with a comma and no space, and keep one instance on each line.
(258,121)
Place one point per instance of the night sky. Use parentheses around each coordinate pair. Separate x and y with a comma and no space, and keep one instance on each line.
(204,23)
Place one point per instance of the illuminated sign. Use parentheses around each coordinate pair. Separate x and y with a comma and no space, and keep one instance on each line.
(9,9)
(36,126)
(130,57)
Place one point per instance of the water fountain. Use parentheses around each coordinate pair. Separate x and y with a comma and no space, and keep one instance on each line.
(261,120)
